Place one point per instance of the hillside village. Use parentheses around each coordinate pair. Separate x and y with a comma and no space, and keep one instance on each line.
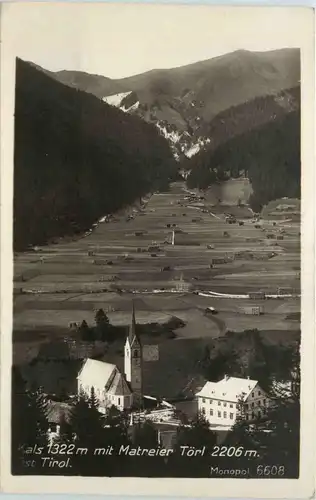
(220,402)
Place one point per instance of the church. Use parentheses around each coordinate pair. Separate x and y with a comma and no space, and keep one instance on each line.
(111,386)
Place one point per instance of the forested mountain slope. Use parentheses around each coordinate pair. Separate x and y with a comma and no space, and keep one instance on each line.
(76,158)
(269,155)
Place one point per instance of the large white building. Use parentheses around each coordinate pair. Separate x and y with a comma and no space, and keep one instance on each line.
(222,402)
(111,386)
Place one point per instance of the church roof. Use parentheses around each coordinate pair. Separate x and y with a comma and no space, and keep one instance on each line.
(132,334)
(97,371)
(119,386)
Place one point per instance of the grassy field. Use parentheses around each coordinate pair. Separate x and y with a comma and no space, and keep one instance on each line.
(131,257)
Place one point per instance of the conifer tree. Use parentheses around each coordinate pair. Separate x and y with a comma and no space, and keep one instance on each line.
(102,325)
(29,425)
(84,331)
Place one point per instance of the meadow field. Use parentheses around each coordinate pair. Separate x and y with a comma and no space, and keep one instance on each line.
(131,256)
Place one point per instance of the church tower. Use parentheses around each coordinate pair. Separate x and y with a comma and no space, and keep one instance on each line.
(133,360)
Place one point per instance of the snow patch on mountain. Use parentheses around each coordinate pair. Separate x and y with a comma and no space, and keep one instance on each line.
(172,136)
(192,150)
(131,108)
(195,148)
(116,99)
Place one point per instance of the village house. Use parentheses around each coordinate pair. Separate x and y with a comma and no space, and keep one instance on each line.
(222,402)
(111,386)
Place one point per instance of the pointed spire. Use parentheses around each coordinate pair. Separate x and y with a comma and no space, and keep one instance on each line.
(132,329)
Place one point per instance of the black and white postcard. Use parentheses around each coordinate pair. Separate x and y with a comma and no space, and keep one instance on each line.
(157,246)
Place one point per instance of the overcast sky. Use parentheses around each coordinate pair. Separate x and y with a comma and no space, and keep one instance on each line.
(118,40)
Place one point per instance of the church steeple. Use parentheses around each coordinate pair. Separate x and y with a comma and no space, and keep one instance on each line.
(132,334)
(133,361)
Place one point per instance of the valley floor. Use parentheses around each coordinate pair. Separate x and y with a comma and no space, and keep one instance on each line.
(133,258)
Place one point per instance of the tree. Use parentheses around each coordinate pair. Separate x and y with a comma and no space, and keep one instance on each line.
(88,428)
(145,435)
(276,437)
(197,436)
(29,426)
(84,331)
(102,325)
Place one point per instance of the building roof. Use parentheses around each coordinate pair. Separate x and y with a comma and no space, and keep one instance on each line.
(58,412)
(119,386)
(228,389)
(97,372)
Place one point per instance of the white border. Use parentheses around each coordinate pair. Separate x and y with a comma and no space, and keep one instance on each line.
(238,488)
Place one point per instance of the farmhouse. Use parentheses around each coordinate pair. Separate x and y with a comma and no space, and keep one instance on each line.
(222,402)
(252,310)
(111,386)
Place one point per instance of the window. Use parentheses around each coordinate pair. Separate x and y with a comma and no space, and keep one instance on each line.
(259,403)
(264,401)
(203,400)
(119,401)
(136,353)
(225,404)
(219,403)
(231,416)
(225,414)
(259,393)
(246,406)
(253,394)
(252,405)
(253,415)
(211,413)
(203,411)
(231,406)
(219,413)
(211,401)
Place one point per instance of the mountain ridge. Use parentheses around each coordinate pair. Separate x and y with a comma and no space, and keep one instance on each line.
(182,102)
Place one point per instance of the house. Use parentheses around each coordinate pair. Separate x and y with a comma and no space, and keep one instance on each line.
(252,310)
(111,386)
(222,402)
